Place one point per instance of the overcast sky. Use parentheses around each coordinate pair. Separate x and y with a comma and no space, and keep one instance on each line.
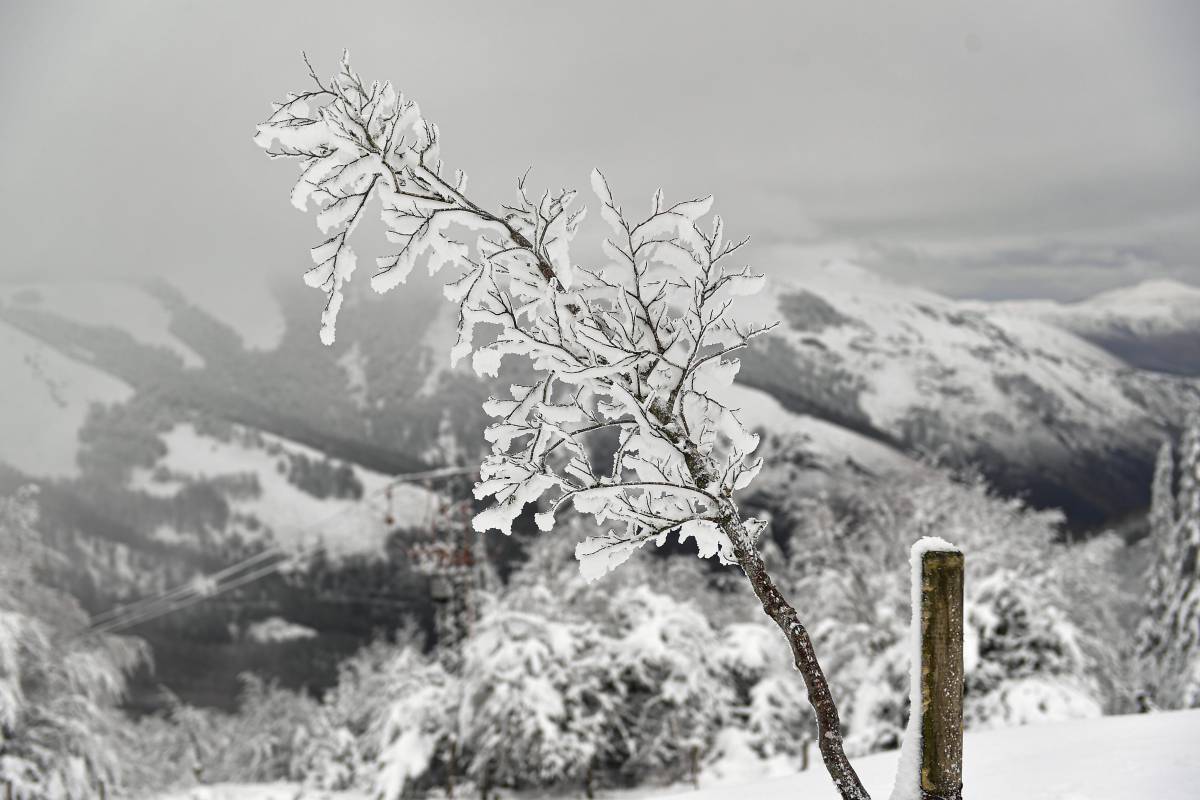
(979,149)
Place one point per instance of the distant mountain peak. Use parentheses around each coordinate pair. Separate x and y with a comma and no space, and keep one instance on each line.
(1166,292)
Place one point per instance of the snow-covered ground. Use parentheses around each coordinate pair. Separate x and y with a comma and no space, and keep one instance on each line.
(260,791)
(296,518)
(45,396)
(1112,758)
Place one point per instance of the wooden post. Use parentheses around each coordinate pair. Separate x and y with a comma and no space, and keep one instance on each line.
(941,674)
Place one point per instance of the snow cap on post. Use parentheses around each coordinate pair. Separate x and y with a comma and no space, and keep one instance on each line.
(931,753)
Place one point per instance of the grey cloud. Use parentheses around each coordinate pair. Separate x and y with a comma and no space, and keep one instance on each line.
(1051,269)
(126,126)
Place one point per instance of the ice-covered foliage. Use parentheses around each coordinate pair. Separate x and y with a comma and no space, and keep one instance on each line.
(1168,644)
(60,733)
(641,344)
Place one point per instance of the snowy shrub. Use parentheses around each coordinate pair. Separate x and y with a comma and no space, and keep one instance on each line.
(1024,663)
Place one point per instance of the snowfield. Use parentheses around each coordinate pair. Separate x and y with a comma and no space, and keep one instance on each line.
(909,348)
(1111,758)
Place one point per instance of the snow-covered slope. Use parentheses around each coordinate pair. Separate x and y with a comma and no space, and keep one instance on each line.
(1036,407)
(830,444)
(1153,325)
(253,470)
(45,397)
(1149,308)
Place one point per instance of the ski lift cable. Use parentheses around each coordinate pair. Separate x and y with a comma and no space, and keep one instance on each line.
(184,589)
(202,595)
(147,608)
(200,588)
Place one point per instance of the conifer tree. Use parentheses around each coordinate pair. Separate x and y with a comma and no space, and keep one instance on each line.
(1168,642)
(1183,615)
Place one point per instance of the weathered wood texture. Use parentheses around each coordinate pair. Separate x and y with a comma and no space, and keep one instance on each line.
(941,675)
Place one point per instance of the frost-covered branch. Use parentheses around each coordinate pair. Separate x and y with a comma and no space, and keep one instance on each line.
(643,343)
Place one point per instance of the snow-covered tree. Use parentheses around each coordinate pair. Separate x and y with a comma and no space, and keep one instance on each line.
(768,703)
(1168,643)
(417,729)
(675,692)
(642,344)
(1185,616)
(534,711)
(61,735)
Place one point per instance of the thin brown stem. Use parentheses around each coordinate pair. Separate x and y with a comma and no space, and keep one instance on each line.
(775,606)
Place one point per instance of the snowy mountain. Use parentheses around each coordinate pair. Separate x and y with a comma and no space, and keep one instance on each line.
(1037,409)
(862,371)
(1154,325)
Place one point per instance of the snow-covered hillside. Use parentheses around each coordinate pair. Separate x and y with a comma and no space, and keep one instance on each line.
(864,369)
(251,310)
(45,397)
(1035,406)
(1153,307)
(1153,325)
(831,444)
(294,517)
